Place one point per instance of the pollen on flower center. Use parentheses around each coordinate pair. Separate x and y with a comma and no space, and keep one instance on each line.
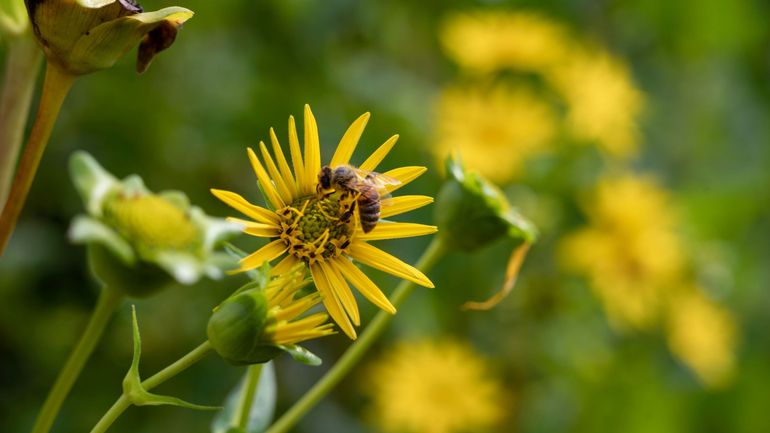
(318,228)
(152,222)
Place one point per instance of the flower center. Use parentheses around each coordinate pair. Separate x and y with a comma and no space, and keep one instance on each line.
(149,221)
(318,228)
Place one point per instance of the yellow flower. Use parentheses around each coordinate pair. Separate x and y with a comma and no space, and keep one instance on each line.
(702,334)
(434,387)
(495,129)
(603,102)
(257,323)
(630,252)
(322,230)
(490,40)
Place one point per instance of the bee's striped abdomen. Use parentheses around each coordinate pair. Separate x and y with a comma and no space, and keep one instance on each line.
(368,207)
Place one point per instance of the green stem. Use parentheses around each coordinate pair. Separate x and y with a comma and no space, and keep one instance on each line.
(55,88)
(248,397)
(123,403)
(105,306)
(357,350)
(21,70)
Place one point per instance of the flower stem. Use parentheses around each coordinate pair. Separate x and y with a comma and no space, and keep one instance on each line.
(249,395)
(356,351)
(21,70)
(55,88)
(105,306)
(123,403)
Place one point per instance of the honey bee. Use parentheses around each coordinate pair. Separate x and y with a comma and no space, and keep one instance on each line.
(368,187)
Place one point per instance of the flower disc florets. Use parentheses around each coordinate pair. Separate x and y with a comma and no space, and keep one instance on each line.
(151,222)
(316,228)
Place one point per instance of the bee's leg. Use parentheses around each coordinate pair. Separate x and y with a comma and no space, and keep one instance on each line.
(345,217)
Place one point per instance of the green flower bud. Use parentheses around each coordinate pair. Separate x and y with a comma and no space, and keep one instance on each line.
(471,212)
(13,18)
(83,36)
(236,330)
(263,319)
(140,242)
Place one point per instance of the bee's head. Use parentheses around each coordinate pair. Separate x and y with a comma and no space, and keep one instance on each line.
(325,177)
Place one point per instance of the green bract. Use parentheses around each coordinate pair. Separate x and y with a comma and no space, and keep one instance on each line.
(13,18)
(471,212)
(83,36)
(137,238)
(236,329)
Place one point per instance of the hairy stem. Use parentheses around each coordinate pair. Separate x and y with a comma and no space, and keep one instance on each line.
(55,88)
(21,70)
(123,403)
(357,350)
(105,306)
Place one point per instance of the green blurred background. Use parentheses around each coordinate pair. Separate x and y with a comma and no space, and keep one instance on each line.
(239,67)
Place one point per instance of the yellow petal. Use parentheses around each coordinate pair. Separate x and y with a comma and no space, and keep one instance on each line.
(364,284)
(268,188)
(349,141)
(265,254)
(301,330)
(242,205)
(376,158)
(378,259)
(312,151)
(294,308)
(257,229)
(389,230)
(284,190)
(331,302)
(397,205)
(296,157)
(284,265)
(288,179)
(405,175)
(343,292)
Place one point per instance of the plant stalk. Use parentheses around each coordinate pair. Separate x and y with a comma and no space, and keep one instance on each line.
(356,351)
(21,71)
(105,306)
(55,88)
(255,371)
(123,403)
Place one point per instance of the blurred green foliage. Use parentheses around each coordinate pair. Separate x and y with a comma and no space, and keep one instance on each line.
(239,67)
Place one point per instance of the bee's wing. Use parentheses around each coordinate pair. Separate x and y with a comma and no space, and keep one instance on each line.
(378,180)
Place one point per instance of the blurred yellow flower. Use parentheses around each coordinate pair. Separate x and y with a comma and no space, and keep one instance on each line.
(630,251)
(323,230)
(434,387)
(603,102)
(489,40)
(702,334)
(495,129)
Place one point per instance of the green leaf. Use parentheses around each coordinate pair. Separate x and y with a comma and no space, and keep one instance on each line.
(300,354)
(132,383)
(250,406)
(13,18)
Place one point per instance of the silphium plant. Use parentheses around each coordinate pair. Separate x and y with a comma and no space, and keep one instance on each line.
(472,213)
(138,242)
(79,37)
